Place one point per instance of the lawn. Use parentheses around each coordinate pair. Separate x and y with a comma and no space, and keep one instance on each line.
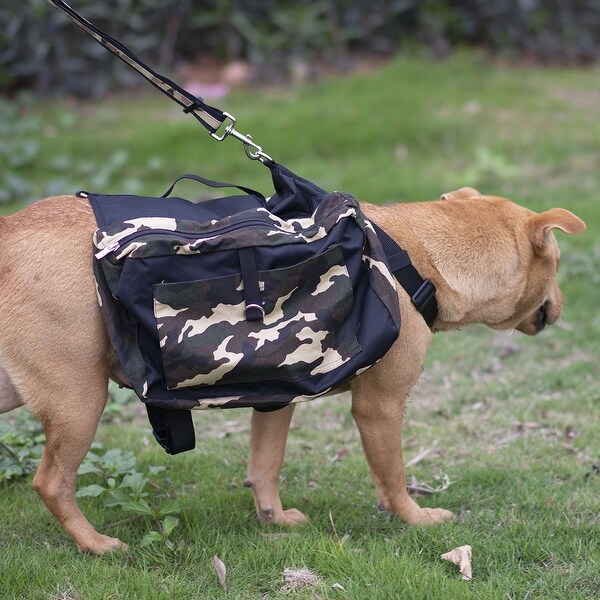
(506,427)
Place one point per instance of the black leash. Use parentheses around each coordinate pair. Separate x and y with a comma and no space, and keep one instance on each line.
(210,117)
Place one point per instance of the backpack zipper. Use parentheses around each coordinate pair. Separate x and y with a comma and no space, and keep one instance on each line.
(117,245)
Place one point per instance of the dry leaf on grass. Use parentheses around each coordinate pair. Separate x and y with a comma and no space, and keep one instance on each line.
(414,488)
(295,579)
(461,556)
(221,570)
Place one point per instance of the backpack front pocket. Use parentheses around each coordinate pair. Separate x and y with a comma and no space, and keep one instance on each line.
(306,330)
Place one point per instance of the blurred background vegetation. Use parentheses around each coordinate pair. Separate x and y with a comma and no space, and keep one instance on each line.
(213,47)
(40,49)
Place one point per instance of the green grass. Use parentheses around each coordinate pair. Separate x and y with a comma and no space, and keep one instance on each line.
(513,421)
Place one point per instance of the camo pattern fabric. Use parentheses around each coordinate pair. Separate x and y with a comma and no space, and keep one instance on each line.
(244,229)
(205,337)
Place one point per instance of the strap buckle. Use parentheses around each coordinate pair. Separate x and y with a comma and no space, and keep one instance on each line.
(253,150)
(423,295)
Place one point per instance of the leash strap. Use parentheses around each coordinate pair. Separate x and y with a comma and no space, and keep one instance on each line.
(210,117)
(421,291)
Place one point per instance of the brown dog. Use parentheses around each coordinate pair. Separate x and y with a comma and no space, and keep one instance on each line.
(493,262)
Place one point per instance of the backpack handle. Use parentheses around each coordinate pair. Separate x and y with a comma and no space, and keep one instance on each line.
(213,184)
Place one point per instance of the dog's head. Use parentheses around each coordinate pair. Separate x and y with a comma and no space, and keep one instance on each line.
(517,257)
(543,293)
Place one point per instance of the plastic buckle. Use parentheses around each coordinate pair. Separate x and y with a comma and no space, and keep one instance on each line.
(423,295)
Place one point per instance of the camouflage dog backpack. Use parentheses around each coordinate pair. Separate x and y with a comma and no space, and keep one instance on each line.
(241,301)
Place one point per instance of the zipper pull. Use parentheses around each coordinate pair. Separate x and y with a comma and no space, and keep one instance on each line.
(102,253)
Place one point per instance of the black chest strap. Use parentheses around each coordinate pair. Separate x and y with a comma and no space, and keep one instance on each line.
(421,291)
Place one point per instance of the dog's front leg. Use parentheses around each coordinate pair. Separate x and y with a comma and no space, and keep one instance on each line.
(380,432)
(378,400)
(269,432)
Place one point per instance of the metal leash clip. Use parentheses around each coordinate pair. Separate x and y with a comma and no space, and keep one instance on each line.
(253,151)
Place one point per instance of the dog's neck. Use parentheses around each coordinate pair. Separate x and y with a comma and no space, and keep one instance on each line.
(471,251)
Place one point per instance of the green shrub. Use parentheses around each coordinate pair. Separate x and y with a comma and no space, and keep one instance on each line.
(42,50)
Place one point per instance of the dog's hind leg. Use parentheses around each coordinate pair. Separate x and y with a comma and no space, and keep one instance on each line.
(54,345)
(70,419)
(269,432)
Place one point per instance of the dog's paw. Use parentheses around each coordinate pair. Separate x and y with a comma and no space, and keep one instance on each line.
(429,516)
(286,518)
(292,518)
(101,544)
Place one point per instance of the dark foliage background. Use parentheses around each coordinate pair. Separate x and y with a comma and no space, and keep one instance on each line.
(42,50)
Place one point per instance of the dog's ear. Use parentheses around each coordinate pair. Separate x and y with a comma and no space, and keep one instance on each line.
(555,218)
(462,194)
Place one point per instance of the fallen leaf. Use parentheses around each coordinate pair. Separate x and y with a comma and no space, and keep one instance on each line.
(415,488)
(338,586)
(221,570)
(461,556)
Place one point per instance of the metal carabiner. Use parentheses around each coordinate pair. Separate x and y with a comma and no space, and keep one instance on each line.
(256,154)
